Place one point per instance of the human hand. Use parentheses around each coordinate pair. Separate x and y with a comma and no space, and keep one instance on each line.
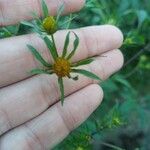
(31,115)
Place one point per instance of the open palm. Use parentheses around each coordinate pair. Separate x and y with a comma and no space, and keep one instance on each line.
(31,115)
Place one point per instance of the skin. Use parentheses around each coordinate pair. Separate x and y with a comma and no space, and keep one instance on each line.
(31,115)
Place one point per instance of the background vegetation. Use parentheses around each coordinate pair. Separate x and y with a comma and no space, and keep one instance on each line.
(122,121)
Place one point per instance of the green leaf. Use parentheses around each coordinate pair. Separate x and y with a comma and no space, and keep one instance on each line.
(45,9)
(83,62)
(61,86)
(39,71)
(76,44)
(66,45)
(60,10)
(51,47)
(26,23)
(38,27)
(36,17)
(86,73)
(38,56)
(7,32)
(68,21)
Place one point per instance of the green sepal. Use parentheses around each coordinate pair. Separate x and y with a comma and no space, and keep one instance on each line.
(68,21)
(60,10)
(86,73)
(36,18)
(66,45)
(26,23)
(38,56)
(40,71)
(83,62)
(61,86)
(51,47)
(45,9)
(76,44)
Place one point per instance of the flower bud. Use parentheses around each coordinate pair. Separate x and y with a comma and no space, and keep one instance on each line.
(50,25)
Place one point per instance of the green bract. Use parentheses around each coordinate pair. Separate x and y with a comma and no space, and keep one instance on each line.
(62,65)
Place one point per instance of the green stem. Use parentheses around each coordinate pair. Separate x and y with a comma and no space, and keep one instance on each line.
(111,146)
(53,40)
(68,25)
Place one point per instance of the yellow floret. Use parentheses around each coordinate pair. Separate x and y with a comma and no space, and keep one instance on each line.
(62,67)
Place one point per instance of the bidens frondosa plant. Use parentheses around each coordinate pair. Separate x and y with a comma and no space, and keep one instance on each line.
(62,66)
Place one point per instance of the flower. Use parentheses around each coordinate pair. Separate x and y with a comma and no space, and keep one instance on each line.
(62,65)
(47,24)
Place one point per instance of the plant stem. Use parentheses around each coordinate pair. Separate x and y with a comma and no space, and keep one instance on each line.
(111,146)
(53,40)
(137,55)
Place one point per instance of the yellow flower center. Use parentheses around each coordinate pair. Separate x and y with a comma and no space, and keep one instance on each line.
(50,25)
(62,67)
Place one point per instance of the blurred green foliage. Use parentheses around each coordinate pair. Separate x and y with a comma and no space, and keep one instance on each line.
(122,121)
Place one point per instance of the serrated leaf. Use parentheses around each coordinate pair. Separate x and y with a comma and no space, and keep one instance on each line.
(26,23)
(51,47)
(38,56)
(61,86)
(60,10)
(66,45)
(39,71)
(45,9)
(86,73)
(83,62)
(75,46)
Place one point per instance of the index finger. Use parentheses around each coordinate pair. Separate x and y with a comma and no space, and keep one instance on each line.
(13,11)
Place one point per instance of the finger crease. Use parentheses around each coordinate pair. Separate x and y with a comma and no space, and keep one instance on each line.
(86,43)
(7,118)
(63,119)
(1,15)
(43,93)
(34,136)
(39,6)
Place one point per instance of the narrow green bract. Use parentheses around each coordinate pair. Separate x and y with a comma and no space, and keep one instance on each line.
(66,45)
(86,73)
(38,56)
(45,9)
(83,62)
(51,47)
(61,85)
(76,44)
(39,71)
(60,11)
(26,23)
